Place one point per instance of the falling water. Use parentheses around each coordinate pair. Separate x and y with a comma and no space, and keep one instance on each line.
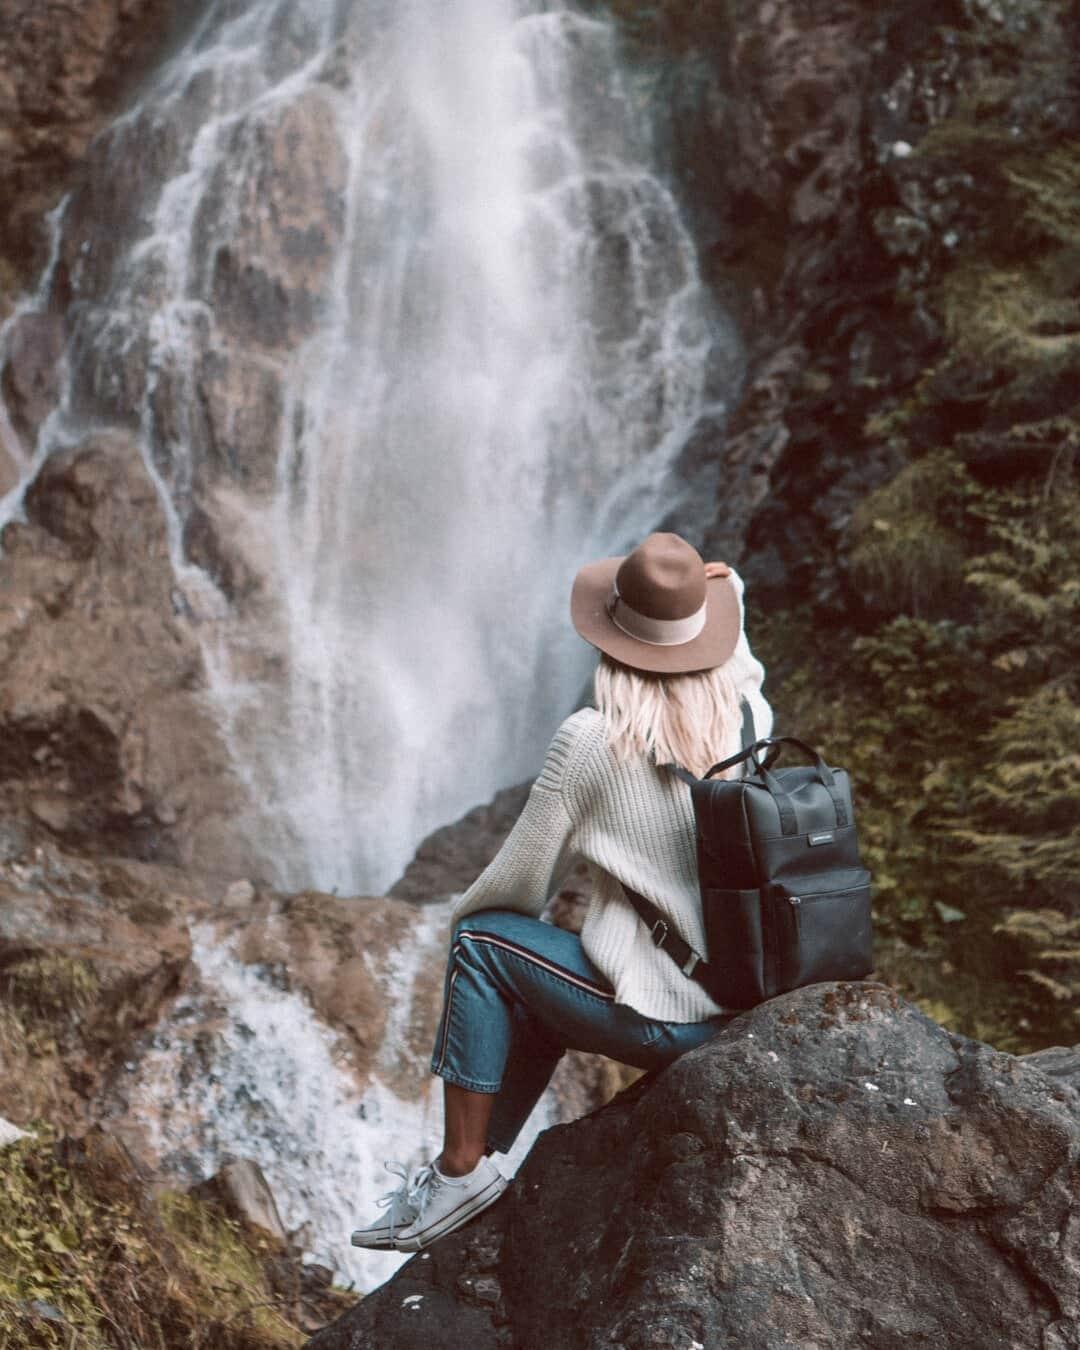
(411,327)
(402,316)
(244,1068)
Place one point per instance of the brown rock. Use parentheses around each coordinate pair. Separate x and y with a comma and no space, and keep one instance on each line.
(89,958)
(242,402)
(239,897)
(243,1193)
(105,738)
(29,381)
(341,954)
(452,857)
(270,223)
(63,67)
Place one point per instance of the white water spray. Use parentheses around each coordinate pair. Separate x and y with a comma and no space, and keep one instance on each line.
(405,319)
(244,1068)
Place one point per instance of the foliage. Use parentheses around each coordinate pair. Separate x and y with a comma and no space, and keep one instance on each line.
(904,548)
(90,1259)
(50,986)
(959,720)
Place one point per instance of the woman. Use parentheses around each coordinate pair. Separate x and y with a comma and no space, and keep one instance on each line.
(675,667)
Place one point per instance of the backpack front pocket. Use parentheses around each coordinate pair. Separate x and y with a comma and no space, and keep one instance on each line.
(735,941)
(823,927)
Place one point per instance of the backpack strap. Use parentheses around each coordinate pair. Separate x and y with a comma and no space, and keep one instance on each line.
(667,939)
(664,936)
(748,737)
(749,733)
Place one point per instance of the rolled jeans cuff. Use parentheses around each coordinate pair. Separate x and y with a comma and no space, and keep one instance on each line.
(470,1084)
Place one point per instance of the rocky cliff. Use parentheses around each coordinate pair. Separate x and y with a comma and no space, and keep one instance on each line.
(833,1170)
(106,741)
(904,191)
(63,68)
(885,197)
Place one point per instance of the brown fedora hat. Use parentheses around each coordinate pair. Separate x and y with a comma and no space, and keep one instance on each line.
(655,610)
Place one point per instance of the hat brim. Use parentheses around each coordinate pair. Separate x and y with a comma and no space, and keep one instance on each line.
(712,647)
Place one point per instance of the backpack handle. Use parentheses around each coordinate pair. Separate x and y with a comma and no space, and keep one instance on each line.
(773,745)
(777,742)
(783,802)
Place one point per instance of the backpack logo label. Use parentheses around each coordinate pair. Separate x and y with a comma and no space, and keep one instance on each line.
(814,839)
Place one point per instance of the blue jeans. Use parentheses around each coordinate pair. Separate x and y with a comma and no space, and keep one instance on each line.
(518,993)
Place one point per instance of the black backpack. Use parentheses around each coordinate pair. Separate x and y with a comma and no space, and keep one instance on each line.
(784,895)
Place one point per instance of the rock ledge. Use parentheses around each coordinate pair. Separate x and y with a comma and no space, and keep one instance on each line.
(833,1170)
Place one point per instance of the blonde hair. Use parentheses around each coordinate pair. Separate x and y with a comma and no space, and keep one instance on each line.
(681,719)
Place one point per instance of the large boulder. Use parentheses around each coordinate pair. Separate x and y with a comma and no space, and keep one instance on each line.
(833,1170)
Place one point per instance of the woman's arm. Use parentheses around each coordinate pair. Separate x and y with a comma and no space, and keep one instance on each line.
(748,671)
(531,865)
(537,855)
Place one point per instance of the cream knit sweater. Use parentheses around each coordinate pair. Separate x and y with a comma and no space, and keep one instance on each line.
(632,822)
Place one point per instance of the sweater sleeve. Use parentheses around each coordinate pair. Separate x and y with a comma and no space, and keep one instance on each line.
(749,673)
(537,855)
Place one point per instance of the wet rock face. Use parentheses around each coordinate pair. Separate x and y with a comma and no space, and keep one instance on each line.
(834,1169)
(104,740)
(29,382)
(62,68)
(265,230)
(278,201)
(830,204)
(340,953)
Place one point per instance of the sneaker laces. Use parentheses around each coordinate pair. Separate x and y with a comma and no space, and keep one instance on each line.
(424,1186)
(416,1191)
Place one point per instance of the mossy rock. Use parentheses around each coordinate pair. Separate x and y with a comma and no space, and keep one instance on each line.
(91,1256)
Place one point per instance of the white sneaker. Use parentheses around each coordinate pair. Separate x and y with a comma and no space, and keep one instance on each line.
(445,1203)
(401,1208)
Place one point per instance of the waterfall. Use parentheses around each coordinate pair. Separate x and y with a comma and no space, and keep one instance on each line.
(408,326)
(243,1067)
(397,306)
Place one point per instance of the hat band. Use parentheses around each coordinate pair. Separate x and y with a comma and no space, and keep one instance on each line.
(656,632)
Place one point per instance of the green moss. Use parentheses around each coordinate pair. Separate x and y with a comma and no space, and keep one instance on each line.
(44,1256)
(89,1258)
(229,1280)
(50,986)
(1047,192)
(963,741)
(1010,315)
(904,547)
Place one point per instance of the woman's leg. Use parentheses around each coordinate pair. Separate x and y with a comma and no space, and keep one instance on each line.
(519,992)
(534,1057)
(466,1115)
(484,1122)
